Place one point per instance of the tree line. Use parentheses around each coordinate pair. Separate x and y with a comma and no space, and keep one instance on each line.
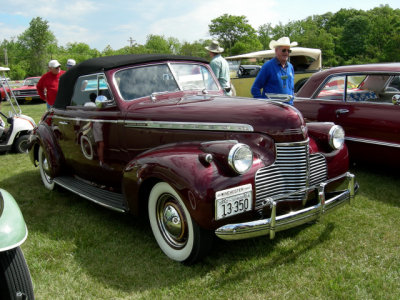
(348,36)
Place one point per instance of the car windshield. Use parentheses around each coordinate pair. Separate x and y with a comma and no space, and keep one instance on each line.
(143,81)
(31,81)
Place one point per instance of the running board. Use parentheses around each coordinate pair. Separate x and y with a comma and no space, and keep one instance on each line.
(111,200)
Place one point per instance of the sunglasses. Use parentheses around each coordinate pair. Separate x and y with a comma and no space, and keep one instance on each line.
(286,50)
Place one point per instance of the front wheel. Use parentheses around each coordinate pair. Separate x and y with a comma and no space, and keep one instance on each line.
(21,144)
(15,279)
(178,236)
(44,166)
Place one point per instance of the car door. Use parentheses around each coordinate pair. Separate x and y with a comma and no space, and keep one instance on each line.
(89,135)
(362,105)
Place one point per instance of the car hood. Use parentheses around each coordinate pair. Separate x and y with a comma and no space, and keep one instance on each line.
(280,121)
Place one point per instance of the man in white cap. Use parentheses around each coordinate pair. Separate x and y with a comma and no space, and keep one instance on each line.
(70,63)
(276,75)
(47,86)
(219,66)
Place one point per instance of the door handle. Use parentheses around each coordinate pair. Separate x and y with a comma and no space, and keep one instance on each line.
(341,111)
(64,122)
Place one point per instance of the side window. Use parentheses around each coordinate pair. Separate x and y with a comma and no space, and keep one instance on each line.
(361,88)
(87,88)
(372,89)
(394,84)
(333,89)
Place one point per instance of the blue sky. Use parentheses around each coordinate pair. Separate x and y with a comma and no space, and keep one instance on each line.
(99,23)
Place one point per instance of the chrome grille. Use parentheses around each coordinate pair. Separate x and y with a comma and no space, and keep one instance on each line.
(318,170)
(26,92)
(294,169)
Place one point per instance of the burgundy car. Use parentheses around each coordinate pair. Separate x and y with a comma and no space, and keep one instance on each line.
(155,135)
(364,100)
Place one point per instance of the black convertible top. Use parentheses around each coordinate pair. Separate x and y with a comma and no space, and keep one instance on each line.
(100,64)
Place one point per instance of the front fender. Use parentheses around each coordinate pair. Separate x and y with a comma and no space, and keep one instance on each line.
(43,136)
(183,167)
(13,231)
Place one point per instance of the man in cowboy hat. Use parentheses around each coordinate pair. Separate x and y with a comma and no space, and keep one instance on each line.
(276,75)
(219,66)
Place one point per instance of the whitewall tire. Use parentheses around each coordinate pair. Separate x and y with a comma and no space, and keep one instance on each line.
(176,233)
(44,167)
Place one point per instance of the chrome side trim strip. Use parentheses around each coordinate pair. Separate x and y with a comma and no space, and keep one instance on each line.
(170,125)
(190,126)
(373,142)
(87,120)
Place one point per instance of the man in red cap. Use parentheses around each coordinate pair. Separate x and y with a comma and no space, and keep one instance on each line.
(47,86)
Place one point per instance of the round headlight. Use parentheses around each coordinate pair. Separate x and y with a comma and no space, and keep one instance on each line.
(16,93)
(336,137)
(240,158)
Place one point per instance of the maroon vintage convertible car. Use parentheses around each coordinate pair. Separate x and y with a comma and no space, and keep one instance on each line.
(155,135)
(363,99)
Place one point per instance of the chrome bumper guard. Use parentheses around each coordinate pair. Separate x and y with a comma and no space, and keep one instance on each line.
(278,223)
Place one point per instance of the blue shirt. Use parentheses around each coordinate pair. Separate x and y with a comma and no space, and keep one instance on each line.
(274,79)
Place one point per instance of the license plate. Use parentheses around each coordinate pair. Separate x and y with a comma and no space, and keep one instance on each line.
(28,98)
(233,201)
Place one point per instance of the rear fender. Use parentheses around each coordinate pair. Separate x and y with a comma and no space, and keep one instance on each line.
(13,231)
(43,136)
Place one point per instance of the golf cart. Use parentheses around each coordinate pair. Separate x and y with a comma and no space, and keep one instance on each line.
(16,135)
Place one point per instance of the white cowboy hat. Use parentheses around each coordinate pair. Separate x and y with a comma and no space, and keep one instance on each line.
(214,47)
(283,41)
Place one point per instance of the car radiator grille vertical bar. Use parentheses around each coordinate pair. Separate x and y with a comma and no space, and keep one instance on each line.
(294,169)
(318,169)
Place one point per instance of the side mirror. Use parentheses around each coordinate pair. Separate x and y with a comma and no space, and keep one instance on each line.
(102,101)
(396,99)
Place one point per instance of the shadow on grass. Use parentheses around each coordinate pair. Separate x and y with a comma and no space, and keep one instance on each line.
(120,251)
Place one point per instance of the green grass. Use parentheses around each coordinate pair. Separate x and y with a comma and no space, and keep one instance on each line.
(78,250)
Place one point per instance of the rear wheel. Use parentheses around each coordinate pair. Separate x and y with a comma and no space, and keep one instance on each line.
(45,167)
(15,280)
(21,144)
(178,236)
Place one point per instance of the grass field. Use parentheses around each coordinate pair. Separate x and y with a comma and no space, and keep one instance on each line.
(77,250)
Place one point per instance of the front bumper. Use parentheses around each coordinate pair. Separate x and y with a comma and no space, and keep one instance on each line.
(293,219)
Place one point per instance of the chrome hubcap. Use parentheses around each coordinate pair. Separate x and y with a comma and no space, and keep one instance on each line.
(171,221)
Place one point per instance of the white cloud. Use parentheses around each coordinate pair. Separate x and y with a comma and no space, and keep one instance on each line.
(193,25)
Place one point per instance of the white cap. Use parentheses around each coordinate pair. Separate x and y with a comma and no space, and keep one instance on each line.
(54,63)
(71,62)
